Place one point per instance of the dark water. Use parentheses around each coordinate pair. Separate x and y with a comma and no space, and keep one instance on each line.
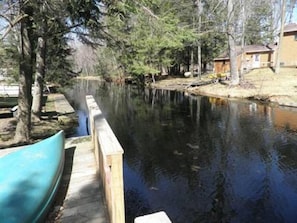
(200,159)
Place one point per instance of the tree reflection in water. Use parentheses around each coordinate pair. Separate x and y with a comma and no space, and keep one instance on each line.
(201,159)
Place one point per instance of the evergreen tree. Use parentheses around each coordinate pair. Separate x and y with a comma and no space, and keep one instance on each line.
(31,19)
(147,37)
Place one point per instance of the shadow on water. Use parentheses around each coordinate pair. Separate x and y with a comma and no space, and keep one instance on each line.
(200,159)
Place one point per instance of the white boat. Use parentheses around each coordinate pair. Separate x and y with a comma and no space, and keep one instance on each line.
(9,90)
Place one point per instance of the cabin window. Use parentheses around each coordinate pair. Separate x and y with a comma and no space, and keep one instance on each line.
(295,37)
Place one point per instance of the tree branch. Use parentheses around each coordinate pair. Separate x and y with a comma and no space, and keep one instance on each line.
(149,12)
(12,24)
(6,18)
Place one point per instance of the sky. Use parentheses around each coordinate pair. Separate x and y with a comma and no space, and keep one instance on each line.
(294,20)
(3,24)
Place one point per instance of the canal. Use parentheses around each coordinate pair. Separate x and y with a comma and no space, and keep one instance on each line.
(199,159)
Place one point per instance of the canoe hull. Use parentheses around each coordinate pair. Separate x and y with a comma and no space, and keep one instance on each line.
(29,179)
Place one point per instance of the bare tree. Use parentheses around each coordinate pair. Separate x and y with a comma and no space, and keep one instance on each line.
(232,43)
(23,128)
(85,58)
(10,17)
(40,62)
(199,12)
(291,7)
(281,33)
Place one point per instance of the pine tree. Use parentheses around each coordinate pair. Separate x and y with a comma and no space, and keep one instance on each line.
(147,37)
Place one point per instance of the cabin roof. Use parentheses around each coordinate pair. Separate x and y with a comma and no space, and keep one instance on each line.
(259,48)
(291,27)
(247,49)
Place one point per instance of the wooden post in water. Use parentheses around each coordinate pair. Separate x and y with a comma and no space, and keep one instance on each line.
(109,157)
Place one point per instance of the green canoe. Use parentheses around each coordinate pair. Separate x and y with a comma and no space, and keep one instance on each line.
(29,179)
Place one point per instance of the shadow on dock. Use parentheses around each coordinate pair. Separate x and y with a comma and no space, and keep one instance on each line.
(55,213)
(80,196)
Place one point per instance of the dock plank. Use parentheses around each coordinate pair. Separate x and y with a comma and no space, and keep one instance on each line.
(84,201)
(62,106)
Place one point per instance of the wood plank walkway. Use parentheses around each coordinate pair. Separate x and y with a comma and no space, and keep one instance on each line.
(62,106)
(80,197)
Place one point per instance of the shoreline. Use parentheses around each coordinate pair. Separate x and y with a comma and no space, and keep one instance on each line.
(260,85)
(57,115)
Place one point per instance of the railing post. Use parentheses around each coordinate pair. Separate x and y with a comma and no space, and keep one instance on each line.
(118,188)
(109,156)
(93,113)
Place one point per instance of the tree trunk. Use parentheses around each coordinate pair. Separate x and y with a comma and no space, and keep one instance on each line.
(192,62)
(281,34)
(40,63)
(39,78)
(232,45)
(199,60)
(164,70)
(188,58)
(243,61)
(199,11)
(23,128)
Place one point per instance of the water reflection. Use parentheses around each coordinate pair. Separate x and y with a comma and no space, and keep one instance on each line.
(201,159)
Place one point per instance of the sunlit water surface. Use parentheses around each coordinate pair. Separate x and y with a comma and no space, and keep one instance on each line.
(199,159)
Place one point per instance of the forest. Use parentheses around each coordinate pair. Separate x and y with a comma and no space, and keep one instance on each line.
(39,40)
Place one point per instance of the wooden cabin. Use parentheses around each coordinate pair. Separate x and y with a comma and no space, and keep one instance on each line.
(288,54)
(258,56)
(250,57)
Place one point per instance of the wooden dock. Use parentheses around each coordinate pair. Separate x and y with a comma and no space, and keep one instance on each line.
(62,106)
(80,197)
(93,167)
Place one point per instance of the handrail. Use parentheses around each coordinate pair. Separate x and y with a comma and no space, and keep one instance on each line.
(109,157)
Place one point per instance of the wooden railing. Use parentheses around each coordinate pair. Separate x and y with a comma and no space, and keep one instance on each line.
(109,157)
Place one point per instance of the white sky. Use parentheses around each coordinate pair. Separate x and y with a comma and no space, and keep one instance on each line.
(3,24)
(294,20)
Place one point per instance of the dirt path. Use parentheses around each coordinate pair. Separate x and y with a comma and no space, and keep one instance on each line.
(260,84)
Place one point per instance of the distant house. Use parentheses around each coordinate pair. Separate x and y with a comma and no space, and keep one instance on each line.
(257,56)
(251,56)
(221,64)
(288,54)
